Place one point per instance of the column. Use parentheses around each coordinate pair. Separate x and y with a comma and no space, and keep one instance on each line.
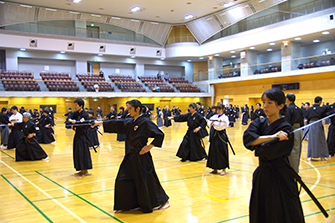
(214,67)
(247,62)
(81,67)
(12,60)
(139,70)
(290,51)
(80,27)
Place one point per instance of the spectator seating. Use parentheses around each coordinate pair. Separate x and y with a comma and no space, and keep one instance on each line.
(268,70)
(177,80)
(121,78)
(88,81)
(320,63)
(160,88)
(151,80)
(231,74)
(187,88)
(59,82)
(19,81)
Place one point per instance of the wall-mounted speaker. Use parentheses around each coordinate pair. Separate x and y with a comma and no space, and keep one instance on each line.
(70,45)
(102,48)
(132,50)
(158,53)
(33,42)
(331,17)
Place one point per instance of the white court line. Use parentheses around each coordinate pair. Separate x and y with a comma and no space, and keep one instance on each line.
(46,194)
(317,180)
(112,178)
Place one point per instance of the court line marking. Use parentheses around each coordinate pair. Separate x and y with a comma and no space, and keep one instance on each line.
(217,199)
(79,197)
(30,202)
(46,194)
(7,154)
(317,180)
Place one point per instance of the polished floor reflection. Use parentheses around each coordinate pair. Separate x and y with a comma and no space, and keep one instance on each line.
(42,191)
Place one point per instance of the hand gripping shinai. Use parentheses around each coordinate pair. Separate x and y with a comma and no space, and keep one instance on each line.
(84,123)
(295,175)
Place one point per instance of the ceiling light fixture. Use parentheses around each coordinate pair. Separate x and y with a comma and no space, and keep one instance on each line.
(217,55)
(22,49)
(269,50)
(135,8)
(252,48)
(272,44)
(62,52)
(133,57)
(50,9)
(76,1)
(201,58)
(189,16)
(325,32)
(233,51)
(233,56)
(316,41)
(95,15)
(298,38)
(228,4)
(26,6)
(116,18)
(162,58)
(189,60)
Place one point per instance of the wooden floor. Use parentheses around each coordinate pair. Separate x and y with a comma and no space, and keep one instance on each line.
(49,192)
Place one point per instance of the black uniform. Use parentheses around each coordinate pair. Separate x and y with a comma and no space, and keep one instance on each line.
(28,149)
(203,131)
(274,195)
(259,112)
(81,152)
(231,113)
(137,184)
(331,132)
(245,116)
(93,134)
(192,148)
(111,115)
(4,129)
(166,114)
(45,135)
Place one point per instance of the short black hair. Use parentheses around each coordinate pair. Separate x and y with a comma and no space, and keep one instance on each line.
(90,112)
(137,104)
(3,109)
(46,111)
(80,102)
(307,103)
(198,103)
(317,99)
(193,105)
(276,95)
(13,108)
(290,97)
(259,104)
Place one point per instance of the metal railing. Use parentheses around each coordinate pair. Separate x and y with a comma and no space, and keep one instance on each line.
(42,28)
(181,39)
(283,15)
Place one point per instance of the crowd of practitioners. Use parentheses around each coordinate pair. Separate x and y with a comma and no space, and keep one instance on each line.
(280,119)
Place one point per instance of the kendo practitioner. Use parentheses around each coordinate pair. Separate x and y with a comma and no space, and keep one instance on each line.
(68,114)
(304,111)
(159,116)
(92,131)
(173,110)
(295,117)
(231,115)
(203,132)
(178,111)
(81,152)
(274,195)
(28,148)
(22,110)
(147,112)
(166,115)
(16,134)
(52,116)
(125,116)
(4,129)
(120,137)
(218,156)
(317,145)
(192,148)
(259,112)
(112,114)
(99,113)
(245,115)
(45,135)
(211,112)
(137,184)
(252,115)
(237,109)
(331,133)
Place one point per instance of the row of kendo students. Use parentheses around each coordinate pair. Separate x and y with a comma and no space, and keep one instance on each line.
(26,134)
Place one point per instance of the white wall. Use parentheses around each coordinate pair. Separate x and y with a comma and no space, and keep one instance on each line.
(172,71)
(110,68)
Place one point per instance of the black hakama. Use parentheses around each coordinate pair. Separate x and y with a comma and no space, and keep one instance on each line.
(4,135)
(245,116)
(192,148)
(28,149)
(166,114)
(81,152)
(93,134)
(137,184)
(274,195)
(331,137)
(45,135)
(14,138)
(218,156)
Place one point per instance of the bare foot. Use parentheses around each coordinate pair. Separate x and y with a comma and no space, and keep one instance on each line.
(214,172)
(164,206)
(222,173)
